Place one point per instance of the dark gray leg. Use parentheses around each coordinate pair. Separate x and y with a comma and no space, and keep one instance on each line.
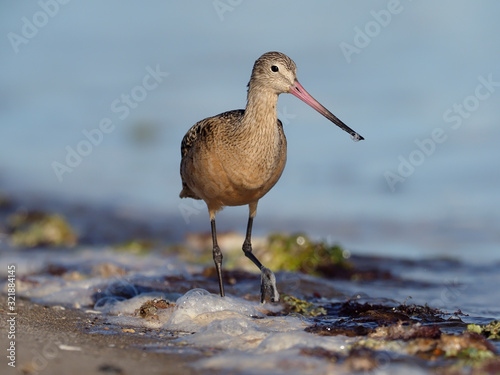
(247,245)
(267,279)
(217,257)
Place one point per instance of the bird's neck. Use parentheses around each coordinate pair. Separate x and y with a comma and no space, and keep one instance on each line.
(260,114)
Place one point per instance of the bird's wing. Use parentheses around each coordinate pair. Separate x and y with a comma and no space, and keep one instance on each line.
(205,127)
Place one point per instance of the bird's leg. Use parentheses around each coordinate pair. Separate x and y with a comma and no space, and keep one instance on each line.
(267,278)
(217,257)
(247,245)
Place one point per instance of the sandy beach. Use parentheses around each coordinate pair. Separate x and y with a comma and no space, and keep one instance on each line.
(54,341)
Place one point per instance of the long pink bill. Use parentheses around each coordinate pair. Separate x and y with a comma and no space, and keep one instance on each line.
(301,93)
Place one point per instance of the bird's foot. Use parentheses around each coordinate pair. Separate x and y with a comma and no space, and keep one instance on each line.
(268,286)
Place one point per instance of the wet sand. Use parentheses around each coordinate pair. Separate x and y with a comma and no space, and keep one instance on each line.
(54,341)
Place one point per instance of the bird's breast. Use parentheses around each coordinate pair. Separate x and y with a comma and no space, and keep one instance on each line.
(258,161)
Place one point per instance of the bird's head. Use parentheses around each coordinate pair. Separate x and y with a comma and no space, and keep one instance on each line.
(277,73)
(273,71)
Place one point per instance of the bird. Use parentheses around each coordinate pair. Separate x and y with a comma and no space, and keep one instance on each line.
(236,157)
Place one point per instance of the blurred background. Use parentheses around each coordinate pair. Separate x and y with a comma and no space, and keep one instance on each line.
(95,98)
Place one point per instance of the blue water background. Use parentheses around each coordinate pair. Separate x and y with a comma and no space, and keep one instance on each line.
(396,90)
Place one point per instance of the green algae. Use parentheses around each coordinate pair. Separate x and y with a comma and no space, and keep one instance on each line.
(472,356)
(34,229)
(298,252)
(446,351)
(299,306)
(137,247)
(491,330)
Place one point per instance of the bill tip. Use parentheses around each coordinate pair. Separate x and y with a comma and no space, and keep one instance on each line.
(356,137)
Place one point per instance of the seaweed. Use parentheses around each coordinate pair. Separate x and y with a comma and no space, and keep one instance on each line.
(35,228)
(298,306)
(149,309)
(297,252)
(368,312)
(136,246)
(491,330)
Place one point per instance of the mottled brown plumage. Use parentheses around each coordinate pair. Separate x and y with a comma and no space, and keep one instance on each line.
(236,157)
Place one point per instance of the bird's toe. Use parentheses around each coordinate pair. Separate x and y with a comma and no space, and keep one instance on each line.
(268,286)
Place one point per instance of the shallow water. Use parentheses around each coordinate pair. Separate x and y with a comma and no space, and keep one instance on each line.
(237,333)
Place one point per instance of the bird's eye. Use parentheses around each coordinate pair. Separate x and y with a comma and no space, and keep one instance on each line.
(274,68)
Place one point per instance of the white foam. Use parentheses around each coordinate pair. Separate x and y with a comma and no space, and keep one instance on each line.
(197,308)
(51,290)
(33,281)
(237,324)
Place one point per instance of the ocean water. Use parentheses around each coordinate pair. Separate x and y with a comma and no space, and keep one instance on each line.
(95,98)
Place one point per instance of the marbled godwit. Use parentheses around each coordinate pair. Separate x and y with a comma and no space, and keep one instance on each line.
(235,158)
